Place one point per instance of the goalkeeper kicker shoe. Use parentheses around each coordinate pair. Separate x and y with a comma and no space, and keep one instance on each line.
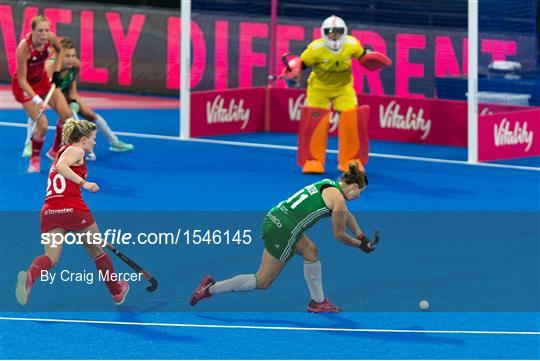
(323,307)
(202,290)
(313,166)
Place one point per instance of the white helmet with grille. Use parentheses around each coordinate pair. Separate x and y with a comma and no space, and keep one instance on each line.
(334,31)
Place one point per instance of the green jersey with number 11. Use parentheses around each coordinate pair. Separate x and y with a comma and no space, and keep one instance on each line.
(305,207)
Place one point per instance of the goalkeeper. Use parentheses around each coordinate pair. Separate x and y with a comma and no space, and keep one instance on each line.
(331,83)
(69,69)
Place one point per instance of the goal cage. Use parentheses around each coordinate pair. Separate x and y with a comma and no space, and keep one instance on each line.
(469,67)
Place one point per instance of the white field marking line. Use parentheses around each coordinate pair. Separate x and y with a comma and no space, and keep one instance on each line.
(278,328)
(294,148)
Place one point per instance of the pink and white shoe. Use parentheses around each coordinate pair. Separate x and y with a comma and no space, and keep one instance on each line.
(202,290)
(324,307)
(121,297)
(51,154)
(35,164)
(24,286)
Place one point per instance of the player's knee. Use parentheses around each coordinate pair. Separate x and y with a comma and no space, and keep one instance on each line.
(91,117)
(263,283)
(63,117)
(310,254)
(41,126)
(94,250)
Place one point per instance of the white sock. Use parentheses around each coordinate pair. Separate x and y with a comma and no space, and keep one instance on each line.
(29,130)
(103,128)
(240,283)
(313,276)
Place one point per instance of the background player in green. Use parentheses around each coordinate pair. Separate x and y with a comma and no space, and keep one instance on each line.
(68,74)
(283,234)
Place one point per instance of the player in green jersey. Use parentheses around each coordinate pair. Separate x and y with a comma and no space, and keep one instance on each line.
(69,70)
(283,232)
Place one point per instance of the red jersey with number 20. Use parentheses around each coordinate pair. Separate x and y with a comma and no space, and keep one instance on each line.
(64,206)
(62,190)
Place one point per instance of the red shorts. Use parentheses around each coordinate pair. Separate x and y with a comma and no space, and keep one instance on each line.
(66,218)
(41,88)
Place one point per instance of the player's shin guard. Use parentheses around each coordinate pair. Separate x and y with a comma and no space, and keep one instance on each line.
(39,264)
(104,128)
(29,130)
(37,144)
(353,142)
(106,270)
(313,277)
(240,283)
(312,139)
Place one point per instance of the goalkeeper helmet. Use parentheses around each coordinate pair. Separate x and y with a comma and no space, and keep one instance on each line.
(334,31)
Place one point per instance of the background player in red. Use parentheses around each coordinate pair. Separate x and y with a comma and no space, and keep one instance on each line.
(30,84)
(65,211)
(69,71)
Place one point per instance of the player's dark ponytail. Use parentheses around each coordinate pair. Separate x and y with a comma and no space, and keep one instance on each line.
(355,175)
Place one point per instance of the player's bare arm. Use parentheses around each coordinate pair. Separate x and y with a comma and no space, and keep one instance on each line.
(74,156)
(340,216)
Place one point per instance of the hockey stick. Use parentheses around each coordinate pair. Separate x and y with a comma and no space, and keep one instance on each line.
(46,101)
(376,238)
(153,282)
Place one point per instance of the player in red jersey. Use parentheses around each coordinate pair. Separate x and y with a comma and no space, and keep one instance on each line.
(65,211)
(30,84)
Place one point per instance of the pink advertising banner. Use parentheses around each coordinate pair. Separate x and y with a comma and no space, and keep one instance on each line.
(227,111)
(137,48)
(428,121)
(509,135)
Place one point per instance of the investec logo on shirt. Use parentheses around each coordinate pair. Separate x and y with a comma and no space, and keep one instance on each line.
(218,112)
(390,117)
(519,135)
(295,111)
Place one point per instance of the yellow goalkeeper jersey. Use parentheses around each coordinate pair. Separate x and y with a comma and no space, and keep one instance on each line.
(331,70)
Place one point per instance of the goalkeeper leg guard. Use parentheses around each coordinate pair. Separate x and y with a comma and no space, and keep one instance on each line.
(312,139)
(353,142)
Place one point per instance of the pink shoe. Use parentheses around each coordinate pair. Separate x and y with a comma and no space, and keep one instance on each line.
(24,286)
(121,297)
(35,164)
(202,290)
(51,154)
(323,307)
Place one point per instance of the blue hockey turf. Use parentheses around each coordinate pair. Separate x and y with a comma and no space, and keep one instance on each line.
(464,237)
